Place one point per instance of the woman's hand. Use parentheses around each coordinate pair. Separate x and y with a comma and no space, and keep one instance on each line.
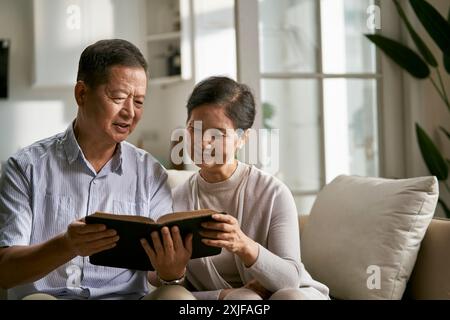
(170,257)
(226,233)
(253,285)
(257,287)
(224,292)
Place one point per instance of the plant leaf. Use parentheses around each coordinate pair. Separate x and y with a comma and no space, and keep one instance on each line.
(421,46)
(444,206)
(446,132)
(402,55)
(431,155)
(447,63)
(447,57)
(435,24)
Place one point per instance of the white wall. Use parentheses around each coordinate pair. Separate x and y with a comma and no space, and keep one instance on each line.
(214,53)
(423,105)
(31,114)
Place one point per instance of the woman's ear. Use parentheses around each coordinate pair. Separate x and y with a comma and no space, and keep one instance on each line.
(80,93)
(243,137)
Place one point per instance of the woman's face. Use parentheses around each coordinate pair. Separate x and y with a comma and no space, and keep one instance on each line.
(213,137)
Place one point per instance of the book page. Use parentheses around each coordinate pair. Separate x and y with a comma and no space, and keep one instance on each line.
(123,217)
(177,216)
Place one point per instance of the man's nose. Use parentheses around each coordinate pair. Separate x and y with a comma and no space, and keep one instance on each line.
(128,108)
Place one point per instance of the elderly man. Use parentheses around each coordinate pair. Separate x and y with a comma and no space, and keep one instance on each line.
(49,187)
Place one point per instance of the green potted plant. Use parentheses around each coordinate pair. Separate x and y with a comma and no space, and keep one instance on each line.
(424,65)
(268,113)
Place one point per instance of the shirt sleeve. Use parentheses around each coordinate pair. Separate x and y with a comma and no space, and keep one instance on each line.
(161,198)
(15,206)
(278,265)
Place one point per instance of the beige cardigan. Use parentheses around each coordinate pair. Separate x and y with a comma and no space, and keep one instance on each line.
(269,217)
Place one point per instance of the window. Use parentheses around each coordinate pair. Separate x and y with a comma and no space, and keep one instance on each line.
(319,83)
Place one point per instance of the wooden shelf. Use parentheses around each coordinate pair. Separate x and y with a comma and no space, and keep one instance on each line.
(164,36)
(168,41)
(165,80)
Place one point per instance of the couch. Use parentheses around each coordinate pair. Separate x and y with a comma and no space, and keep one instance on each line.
(430,278)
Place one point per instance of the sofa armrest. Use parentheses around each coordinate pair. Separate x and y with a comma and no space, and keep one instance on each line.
(302,221)
(431,276)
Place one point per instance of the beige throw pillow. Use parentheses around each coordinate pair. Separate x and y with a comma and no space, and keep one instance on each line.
(364,234)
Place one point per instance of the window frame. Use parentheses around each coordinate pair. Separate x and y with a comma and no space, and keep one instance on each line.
(390,109)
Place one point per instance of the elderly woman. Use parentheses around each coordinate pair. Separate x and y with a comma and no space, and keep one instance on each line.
(259,235)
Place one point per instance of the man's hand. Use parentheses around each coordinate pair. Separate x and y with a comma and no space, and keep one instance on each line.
(170,257)
(85,240)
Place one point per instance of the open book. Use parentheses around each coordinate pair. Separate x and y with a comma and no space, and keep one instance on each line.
(129,253)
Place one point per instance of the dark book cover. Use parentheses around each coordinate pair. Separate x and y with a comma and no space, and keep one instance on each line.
(129,253)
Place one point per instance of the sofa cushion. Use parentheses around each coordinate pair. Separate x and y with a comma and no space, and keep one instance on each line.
(364,234)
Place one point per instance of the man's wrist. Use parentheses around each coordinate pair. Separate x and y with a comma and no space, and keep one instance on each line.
(178,281)
(65,246)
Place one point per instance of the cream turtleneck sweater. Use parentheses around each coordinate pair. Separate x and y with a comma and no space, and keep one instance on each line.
(269,218)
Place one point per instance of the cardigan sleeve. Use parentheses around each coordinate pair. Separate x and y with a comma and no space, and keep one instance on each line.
(278,265)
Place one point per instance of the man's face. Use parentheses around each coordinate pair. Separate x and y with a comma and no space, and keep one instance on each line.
(112,110)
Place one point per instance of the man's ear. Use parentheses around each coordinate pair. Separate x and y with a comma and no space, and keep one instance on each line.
(80,93)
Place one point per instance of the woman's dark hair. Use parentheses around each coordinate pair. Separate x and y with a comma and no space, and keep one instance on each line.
(236,98)
(98,58)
